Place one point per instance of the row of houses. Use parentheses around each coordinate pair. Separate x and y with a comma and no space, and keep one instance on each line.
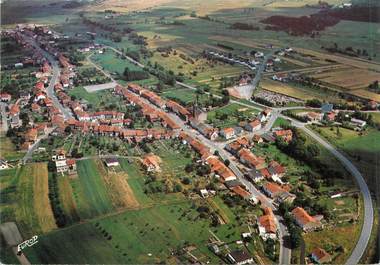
(95,128)
(259,169)
(251,126)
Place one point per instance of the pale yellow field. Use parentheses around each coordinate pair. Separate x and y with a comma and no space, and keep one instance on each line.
(351,79)
(66,198)
(299,3)
(286,89)
(200,6)
(42,205)
(294,61)
(366,94)
(357,63)
(121,194)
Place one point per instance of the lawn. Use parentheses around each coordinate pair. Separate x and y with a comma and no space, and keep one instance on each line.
(173,160)
(280,122)
(230,115)
(112,63)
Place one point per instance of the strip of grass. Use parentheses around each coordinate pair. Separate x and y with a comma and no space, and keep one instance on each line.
(67,201)
(93,189)
(33,212)
(42,204)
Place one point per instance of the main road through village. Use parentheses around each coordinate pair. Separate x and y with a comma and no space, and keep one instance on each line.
(285,252)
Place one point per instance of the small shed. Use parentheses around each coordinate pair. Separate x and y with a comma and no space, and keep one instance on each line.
(111,162)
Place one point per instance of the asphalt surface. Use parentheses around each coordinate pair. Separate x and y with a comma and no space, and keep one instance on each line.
(34,147)
(4,120)
(53,80)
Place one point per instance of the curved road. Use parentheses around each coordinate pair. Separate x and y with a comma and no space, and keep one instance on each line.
(365,235)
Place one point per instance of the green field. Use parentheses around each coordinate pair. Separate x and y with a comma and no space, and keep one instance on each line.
(230,115)
(8,149)
(135,178)
(132,233)
(99,100)
(280,122)
(183,96)
(363,149)
(90,192)
(111,62)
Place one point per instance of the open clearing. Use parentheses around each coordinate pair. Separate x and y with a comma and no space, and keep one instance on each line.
(230,115)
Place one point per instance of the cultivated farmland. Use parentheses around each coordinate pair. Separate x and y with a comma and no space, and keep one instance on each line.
(350,79)
(127,237)
(33,212)
(90,191)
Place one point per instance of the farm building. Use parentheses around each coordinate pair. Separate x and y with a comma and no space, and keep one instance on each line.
(320,255)
(239,257)
(151,163)
(304,220)
(111,162)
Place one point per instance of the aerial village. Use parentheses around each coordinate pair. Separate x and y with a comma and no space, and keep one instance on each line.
(234,157)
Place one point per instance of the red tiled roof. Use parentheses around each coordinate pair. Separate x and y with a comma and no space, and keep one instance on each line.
(302,216)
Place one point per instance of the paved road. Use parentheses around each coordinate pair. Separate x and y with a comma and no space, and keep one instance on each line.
(4,120)
(54,79)
(259,71)
(361,244)
(30,151)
